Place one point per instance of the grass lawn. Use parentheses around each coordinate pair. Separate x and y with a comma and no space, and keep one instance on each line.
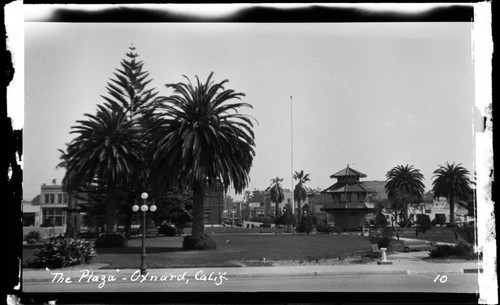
(166,252)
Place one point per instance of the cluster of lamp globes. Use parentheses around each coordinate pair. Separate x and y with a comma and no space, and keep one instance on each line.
(144,207)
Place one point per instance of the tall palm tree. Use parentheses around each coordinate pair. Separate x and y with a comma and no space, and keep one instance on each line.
(404,186)
(108,149)
(452,181)
(300,191)
(198,138)
(276,192)
(128,99)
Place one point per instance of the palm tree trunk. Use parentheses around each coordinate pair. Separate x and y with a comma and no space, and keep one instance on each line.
(198,211)
(128,223)
(452,208)
(298,211)
(111,208)
(70,223)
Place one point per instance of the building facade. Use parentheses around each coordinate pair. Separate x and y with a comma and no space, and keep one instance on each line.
(214,205)
(349,200)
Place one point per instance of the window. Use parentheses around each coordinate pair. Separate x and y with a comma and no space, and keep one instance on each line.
(47,198)
(56,214)
(59,198)
(52,198)
(65,198)
(343,197)
(354,198)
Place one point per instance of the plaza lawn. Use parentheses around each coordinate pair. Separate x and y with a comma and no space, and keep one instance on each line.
(166,252)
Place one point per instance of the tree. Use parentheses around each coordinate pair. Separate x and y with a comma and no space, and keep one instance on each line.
(306,221)
(288,219)
(404,186)
(276,192)
(129,89)
(108,150)
(200,140)
(300,191)
(113,140)
(452,182)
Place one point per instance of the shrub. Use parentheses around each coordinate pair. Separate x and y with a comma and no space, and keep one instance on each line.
(424,222)
(382,241)
(196,243)
(404,224)
(167,230)
(33,237)
(462,250)
(306,225)
(442,251)
(62,251)
(440,219)
(381,220)
(111,240)
(323,227)
(337,230)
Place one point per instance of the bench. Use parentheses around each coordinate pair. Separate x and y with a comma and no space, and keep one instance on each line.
(374,252)
(418,245)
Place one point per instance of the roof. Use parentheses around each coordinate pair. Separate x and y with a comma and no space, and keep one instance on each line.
(342,187)
(378,186)
(348,172)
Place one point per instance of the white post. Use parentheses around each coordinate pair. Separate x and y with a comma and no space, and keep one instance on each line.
(384,257)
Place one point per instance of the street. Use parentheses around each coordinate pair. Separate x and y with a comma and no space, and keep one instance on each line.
(448,283)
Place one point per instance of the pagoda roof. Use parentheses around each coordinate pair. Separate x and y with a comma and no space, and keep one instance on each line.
(342,187)
(348,172)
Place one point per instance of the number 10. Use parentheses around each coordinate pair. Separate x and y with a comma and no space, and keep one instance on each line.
(442,278)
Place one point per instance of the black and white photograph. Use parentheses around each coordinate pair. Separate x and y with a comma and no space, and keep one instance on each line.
(286,148)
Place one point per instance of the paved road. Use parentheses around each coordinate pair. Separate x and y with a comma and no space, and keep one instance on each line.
(452,283)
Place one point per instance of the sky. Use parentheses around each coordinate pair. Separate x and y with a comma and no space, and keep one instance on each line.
(371,95)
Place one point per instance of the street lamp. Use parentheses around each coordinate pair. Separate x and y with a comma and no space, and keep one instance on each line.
(144,208)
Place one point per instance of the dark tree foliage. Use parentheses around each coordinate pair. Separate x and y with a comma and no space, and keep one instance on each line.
(404,186)
(109,146)
(198,138)
(451,181)
(300,191)
(276,192)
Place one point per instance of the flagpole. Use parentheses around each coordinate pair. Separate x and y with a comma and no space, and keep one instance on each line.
(291,152)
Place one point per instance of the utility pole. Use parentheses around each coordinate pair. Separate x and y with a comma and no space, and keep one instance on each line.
(291,152)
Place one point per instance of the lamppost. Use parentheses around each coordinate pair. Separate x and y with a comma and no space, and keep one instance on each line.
(144,208)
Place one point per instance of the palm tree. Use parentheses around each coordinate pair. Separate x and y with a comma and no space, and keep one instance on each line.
(452,181)
(276,192)
(130,98)
(404,186)
(300,191)
(200,140)
(108,149)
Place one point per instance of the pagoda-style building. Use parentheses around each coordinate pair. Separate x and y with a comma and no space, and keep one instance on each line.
(349,205)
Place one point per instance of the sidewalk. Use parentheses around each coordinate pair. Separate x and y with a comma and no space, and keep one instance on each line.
(402,263)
